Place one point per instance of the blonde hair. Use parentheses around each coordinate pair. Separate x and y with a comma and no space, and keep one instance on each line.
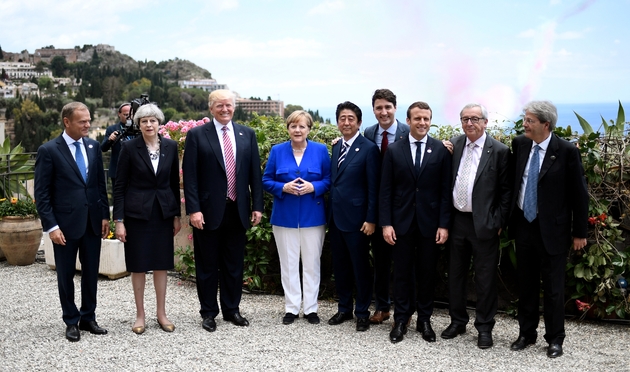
(297,115)
(220,94)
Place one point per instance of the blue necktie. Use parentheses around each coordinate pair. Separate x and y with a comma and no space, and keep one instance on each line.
(343,153)
(78,156)
(418,156)
(530,201)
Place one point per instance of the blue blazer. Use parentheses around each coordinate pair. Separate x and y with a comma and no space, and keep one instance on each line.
(63,198)
(354,186)
(297,211)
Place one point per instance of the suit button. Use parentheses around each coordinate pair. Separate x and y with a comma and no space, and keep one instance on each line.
(417,189)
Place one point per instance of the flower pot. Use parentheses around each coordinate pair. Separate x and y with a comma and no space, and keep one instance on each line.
(20,238)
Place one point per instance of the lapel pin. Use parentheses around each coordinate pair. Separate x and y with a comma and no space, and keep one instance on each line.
(429,150)
(553,157)
(357,149)
(240,133)
(90,146)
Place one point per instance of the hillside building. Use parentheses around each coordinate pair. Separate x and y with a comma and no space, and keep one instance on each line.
(261,107)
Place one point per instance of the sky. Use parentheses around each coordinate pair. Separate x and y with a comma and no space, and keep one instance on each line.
(500,53)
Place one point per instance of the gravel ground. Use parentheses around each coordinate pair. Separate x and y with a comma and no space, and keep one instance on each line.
(32,337)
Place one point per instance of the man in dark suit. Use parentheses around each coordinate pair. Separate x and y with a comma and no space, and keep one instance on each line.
(415,211)
(481,200)
(386,131)
(111,140)
(71,195)
(222,185)
(549,214)
(352,215)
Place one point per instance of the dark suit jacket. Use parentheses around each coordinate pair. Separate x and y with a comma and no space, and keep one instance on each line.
(491,194)
(427,196)
(562,193)
(205,180)
(62,197)
(304,210)
(107,144)
(402,131)
(354,186)
(137,185)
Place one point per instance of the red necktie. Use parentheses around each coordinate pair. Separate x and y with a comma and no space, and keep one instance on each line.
(384,143)
(230,164)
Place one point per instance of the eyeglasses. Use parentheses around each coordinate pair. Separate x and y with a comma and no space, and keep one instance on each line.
(474,119)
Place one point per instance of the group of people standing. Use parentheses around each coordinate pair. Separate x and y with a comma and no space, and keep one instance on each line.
(394,189)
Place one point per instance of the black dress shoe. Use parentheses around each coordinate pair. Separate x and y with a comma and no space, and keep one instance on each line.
(363,324)
(237,319)
(554,350)
(521,343)
(288,318)
(427,332)
(92,327)
(312,318)
(340,318)
(485,340)
(209,324)
(453,330)
(398,332)
(72,333)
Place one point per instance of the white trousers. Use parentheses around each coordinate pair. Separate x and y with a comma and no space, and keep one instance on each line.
(292,243)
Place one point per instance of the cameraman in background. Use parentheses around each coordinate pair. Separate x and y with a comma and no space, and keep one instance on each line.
(111,139)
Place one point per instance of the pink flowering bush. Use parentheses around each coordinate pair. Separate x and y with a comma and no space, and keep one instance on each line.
(177,130)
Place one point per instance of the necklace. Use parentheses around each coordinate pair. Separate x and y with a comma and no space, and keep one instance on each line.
(154,155)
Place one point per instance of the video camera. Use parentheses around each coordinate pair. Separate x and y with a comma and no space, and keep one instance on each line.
(132,130)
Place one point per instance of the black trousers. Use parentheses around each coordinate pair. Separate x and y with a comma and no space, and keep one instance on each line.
(534,263)
(219,256)
(415,259)
(464,244)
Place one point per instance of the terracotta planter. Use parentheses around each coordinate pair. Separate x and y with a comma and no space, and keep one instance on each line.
(20,238)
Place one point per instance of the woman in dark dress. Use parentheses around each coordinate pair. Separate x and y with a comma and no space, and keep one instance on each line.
(147,209)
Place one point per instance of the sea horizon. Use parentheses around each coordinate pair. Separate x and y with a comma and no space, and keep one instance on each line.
(591,112)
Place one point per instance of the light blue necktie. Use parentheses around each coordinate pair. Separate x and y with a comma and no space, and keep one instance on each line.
(78,156)
(530,201)
(343,153)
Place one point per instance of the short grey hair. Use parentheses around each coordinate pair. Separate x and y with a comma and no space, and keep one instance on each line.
(149,110)
(484,112)
(545,111)
(220,94)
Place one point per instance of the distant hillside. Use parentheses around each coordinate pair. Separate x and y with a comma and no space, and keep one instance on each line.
(173,69)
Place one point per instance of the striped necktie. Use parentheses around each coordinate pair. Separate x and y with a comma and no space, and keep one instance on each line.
(342,154)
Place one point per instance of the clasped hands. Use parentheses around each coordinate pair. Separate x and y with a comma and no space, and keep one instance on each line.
(298,187)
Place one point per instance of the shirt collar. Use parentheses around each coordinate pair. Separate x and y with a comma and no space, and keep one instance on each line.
(479,142)
(351,140)
(391,130)
(413,140)
(69,140)
(219,126)
(544,144)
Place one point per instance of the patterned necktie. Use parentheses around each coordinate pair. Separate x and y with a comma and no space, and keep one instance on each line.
(342,153)
(462,185)
(530,201)
(78,156)
(384,143)
(230,164)
(418,156)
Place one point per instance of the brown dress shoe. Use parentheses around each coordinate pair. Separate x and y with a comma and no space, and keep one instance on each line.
(379,317)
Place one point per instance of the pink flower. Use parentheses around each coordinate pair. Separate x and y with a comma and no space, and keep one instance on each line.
(582,306)
(183,200)
(190,237)
(206,120)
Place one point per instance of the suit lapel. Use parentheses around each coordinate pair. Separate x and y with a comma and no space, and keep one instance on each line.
(141,148)
(400,132)
(240,145)
(550,157)
(406,153)
(426,157)
(352,152)
(485,156)
(65,151)
(458,150)
(213,140)
(335,159)
(525,148)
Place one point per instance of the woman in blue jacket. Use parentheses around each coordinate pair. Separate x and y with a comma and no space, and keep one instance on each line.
(298,176)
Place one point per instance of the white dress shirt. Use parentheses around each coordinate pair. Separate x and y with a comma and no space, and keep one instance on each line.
(474,165)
